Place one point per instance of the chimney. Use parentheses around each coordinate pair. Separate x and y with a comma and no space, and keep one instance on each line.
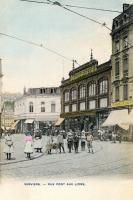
(125,6)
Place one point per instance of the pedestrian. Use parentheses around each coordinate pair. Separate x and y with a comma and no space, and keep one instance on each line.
(38,142)
(119,136)
(70,141)
(49,143)
(113,137)
(8,145)
(89,142)
(28,145)
(76,142)
(83,141)
(60,141)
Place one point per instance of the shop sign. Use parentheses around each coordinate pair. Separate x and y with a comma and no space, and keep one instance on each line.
(123,103)
(82,73)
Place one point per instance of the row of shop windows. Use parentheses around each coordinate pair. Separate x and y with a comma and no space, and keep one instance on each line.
(81,92)
(82,106)
(42,107)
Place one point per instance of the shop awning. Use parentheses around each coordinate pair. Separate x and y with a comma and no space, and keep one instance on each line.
(59,121)
(124,126)
(116,117)
(29,121)
(15,124)
(129,119)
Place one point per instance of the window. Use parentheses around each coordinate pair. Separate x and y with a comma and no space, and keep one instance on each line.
(42,106)
(117,70)
(92,89)
(82,92)
(66,96)
(103,87)
(117,93)
(74,94)
(53,107)
(92,104)
(31,107)
(117,46)
(125,42)
(74,107)
(103,103)
(66,109)
(125,67)
(82,106)
(125,91)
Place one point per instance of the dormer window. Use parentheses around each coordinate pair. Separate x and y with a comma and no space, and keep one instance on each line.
(117,23)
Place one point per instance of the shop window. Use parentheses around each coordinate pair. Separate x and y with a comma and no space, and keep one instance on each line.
(92,104)
(74,107)
(31,107)
(103,103)
(82,106)
(66,108)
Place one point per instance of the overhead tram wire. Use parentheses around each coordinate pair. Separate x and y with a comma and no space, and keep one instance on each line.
(38,45)
(79,14)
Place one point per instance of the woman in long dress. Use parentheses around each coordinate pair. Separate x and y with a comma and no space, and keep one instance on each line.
(8,146)
(28,146)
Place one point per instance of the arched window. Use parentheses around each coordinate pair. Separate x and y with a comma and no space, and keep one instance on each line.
(42,106)
(31,109)
(53,107)
(66,96)
(74,94)
(92,89)
(82,91)
(103,87)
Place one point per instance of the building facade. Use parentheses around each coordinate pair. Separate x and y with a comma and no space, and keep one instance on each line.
(122,59)
(38,108)
(0,94)
(86,96)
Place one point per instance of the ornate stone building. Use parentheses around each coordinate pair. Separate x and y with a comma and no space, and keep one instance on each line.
(122,59)
(85,95)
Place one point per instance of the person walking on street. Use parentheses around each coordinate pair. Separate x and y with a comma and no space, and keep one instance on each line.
(60,141)
(70,141)
(89,142)
(119,136)
(76,142)
(113,137)
(38,142)
(49,144)
(83,141)
(28,145)
(8,146)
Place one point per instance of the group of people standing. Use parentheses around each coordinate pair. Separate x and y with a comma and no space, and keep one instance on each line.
(34,142)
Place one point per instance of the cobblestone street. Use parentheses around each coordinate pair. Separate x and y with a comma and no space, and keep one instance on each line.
(109,159)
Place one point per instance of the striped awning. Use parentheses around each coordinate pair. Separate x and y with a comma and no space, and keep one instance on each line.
(59,121)
(29,121)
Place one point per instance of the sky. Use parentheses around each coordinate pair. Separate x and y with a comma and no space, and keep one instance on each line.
(26,65)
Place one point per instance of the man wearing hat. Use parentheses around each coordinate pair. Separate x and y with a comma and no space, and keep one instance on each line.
(60,141)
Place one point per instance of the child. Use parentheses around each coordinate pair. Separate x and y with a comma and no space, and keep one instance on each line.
(28,146)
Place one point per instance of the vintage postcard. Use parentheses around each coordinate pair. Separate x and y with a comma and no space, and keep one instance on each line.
(66,99)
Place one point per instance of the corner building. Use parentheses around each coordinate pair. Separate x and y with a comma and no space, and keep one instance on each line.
(122,59)
(85,96)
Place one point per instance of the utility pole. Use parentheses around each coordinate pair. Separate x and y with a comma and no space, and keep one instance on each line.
(1,75)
